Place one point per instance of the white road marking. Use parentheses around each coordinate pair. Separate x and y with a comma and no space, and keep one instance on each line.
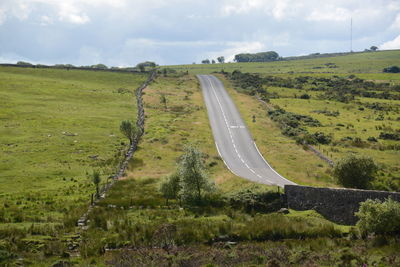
(224,160)
(270,165)
(233,142)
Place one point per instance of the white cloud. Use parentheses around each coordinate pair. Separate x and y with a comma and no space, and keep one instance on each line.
(393,44)
(182,31)
(329,13)
(70,13)
(396,23)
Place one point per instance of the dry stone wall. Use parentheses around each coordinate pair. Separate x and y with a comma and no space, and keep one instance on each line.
(124,164)
(335,204)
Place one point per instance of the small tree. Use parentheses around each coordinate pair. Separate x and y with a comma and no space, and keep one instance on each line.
(194,180)
(373,48)
(221,59)
(141,67)
(213,61)
(170,187)
(205,61)
(129,130)
(96,181)
(355,171)
(379,217)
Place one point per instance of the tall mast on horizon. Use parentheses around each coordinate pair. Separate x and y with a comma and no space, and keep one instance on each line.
(351,34)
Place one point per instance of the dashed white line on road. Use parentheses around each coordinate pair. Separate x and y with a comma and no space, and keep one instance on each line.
(233,142)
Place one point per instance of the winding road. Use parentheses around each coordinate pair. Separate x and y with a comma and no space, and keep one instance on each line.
(232,138)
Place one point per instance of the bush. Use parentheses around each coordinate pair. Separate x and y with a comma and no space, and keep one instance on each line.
(170,187)
(390,136)
(321,138)
(255,199)
(379,217)
(355,171)
(305,96)
(392,69)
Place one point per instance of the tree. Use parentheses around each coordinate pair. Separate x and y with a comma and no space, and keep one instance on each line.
(194,180)
(257,57)
(170,187)
(355,171)
(129,130)
(221,59)
(96,181)
(23,63)
(99,66)
(213,61)
(373,48)
(141,67)
(163,100)
(205,61)
(379,217)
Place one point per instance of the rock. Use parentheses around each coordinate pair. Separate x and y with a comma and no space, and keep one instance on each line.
(283,211)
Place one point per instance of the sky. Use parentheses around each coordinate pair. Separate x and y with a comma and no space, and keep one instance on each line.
(126,32)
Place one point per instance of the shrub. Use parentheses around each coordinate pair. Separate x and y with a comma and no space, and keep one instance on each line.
(389,136)
(170,187)
(355,171)
(379,217)
(305,96)
(321,138)
(193,177)
(255,199)
(392,69)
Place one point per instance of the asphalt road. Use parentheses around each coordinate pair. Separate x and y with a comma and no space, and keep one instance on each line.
(232,138)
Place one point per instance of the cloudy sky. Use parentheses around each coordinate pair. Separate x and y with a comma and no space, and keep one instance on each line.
(125,32)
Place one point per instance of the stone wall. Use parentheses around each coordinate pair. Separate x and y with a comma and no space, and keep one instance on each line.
(335,204)
(124,164)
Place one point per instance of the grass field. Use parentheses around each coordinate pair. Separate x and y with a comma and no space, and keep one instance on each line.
(368,62)
(56,126)
(76,129)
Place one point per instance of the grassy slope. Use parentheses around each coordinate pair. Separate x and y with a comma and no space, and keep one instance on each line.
(355,63)
(289,159)
(39,162)
(291,163)
(364,126)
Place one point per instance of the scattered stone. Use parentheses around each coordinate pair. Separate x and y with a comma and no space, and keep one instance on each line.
(283,211)
(69,134)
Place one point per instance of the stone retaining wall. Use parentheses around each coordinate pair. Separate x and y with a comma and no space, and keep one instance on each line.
(335,204)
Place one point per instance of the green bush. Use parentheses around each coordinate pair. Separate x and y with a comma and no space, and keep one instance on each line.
(355,171)
(255,199)
(170,187)
(379,217)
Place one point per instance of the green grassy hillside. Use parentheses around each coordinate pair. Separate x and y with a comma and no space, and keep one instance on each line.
(56,126)
(367,62)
